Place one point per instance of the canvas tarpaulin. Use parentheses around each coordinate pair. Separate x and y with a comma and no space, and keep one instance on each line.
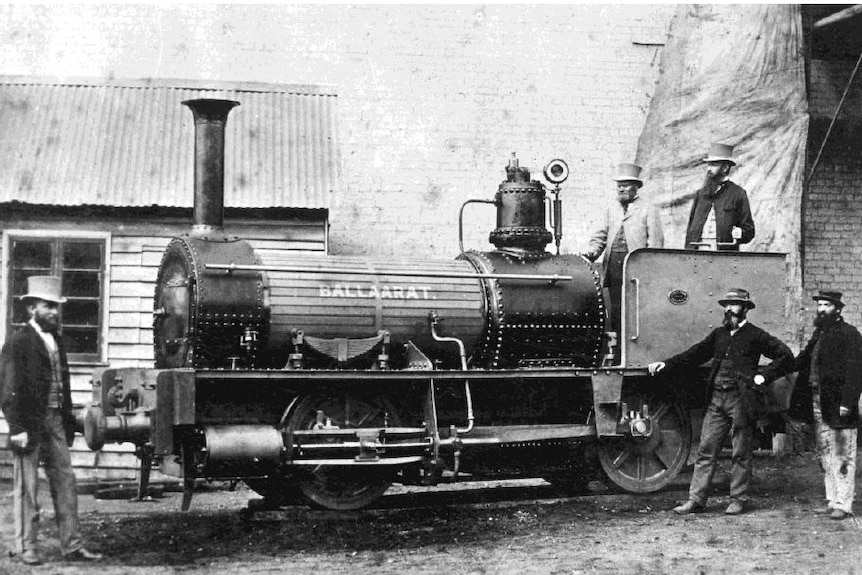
(735,75)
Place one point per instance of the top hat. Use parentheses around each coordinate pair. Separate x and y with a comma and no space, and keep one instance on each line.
(830,296)
(737,295)
(720,153)
(628,173)
(44,287)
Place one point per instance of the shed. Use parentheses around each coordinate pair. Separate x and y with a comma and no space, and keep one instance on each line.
(98,176)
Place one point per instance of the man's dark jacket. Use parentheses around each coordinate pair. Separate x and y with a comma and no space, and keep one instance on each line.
(25,375)
(749,343)
(840,367)
(731,209)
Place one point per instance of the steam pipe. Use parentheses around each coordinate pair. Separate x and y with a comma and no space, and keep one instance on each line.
(469,397)
(210,117)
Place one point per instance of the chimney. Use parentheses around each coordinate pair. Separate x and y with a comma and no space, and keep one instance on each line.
(210,119)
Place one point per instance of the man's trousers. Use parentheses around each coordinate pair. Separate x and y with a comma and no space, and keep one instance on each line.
(717,423)
(837,451)
(53,450)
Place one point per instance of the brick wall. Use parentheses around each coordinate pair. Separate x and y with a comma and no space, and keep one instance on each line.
(432,99)
(833,206)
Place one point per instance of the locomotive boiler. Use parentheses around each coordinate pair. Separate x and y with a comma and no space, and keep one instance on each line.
(330,377)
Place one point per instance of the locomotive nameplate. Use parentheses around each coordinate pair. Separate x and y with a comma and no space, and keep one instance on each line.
(375,292)
(677,297)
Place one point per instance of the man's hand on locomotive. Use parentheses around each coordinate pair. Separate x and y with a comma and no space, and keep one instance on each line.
(655,367)
(19,440)
(843,411)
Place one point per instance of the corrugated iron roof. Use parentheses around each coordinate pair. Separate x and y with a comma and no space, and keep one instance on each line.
(128,143)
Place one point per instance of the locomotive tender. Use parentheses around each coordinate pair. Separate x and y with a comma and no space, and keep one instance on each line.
(330,377)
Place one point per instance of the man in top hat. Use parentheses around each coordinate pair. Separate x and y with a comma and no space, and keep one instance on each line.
(827,394)
(735,399)
(630,223)
(720,216)
(37,403)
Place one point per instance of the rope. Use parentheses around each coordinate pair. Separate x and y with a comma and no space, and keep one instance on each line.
(832,123)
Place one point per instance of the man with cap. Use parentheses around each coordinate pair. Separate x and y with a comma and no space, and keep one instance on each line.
(827,394)
(735,396)
(720,216)
(37,403)
(630,223)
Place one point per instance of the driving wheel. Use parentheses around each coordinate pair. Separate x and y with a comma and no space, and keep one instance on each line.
(342,487)
(646,464)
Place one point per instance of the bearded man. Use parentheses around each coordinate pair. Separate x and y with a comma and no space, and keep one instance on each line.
(735,396)
(629,223)
(720,217)
(827,395)
(37,402)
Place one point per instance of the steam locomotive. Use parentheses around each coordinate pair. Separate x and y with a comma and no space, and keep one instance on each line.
(331,377)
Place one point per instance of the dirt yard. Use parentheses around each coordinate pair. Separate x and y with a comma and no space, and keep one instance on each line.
(517,528)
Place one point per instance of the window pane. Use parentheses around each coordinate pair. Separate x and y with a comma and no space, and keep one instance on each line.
(81,284)
(80,312)
(19,281)
(81,340)
(82,255)
(80,262)
(32,255)
(19,312)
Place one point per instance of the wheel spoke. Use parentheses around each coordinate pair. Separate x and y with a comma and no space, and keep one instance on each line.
(365,418)
(621,457)
(660,412)
(667,454)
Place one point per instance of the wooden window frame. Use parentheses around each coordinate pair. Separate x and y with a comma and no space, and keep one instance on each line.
(104,237)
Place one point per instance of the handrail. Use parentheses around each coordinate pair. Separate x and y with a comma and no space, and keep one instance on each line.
(461,219)
(230,268)
(637,285)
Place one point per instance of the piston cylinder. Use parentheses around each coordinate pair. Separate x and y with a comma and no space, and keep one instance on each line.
(243,443)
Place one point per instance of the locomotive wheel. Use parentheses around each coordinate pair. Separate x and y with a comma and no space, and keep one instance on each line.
(643,465)
(275,489)
(343,487)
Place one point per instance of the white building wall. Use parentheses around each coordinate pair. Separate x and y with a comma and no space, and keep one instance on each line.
(432,98)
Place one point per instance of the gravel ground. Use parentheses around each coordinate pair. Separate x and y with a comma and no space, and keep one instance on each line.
(513,527)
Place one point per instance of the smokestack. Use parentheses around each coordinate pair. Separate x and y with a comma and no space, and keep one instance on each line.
(210,119)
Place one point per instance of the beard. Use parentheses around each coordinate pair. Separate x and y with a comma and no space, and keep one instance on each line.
(47,323)
(711,182)
(732,320)
(824,320)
